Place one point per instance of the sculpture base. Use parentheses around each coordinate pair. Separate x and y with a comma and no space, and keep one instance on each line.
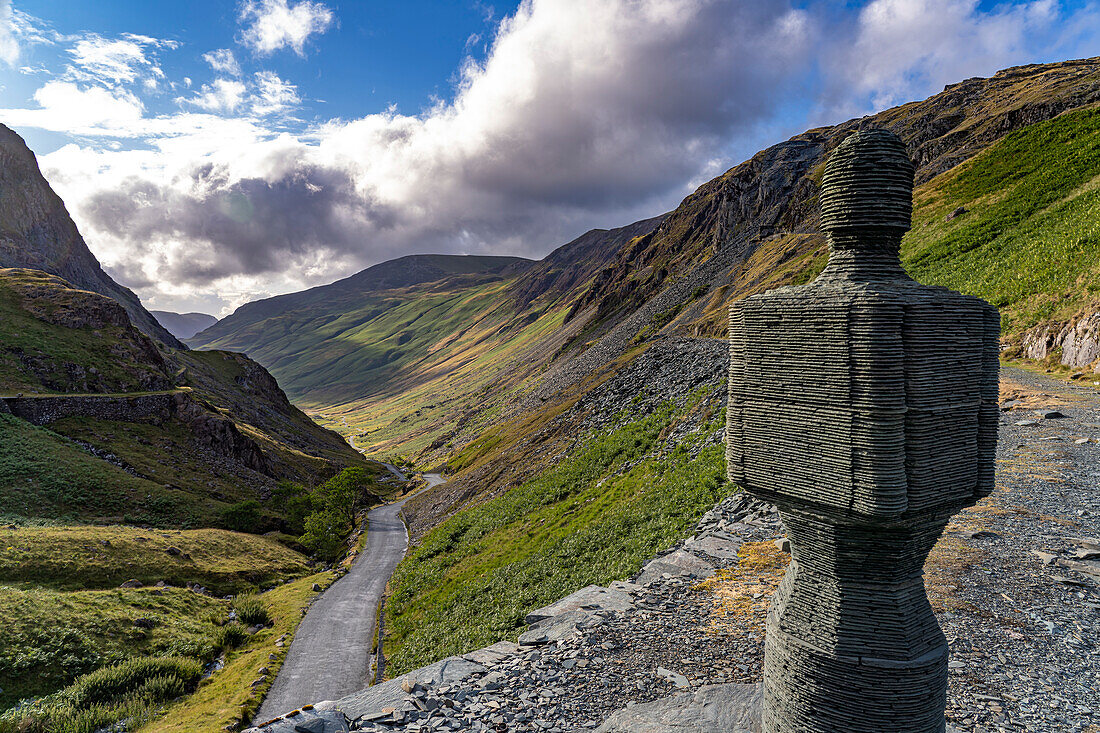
(807,690)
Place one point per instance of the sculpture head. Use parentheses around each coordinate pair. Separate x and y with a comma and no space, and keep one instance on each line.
(867,190)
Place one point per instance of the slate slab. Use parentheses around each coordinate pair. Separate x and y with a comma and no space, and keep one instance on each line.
(592,598)
(719,544)
(492,654)
(307,721)
(730,708)
(679,563)
(390,693)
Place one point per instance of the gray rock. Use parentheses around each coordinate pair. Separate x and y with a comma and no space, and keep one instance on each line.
(679,563)
(783,544)
(592,597)
(390,694)
(730,708)
(490,655)
(674,677)
(719,544)
(307,721)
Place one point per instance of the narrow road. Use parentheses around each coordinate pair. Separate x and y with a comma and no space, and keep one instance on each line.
(331,653)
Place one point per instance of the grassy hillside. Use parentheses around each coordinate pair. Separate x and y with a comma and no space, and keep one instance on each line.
(46,477)
(548,502)
(1029,241)
(56,338)
(89,558)
(227,433)
(66,622)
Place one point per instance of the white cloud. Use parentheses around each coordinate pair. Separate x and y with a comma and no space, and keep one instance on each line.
(223,95)
(901,50)
(115,61)
(270,25)
(9,46)
(68,107)
(273,95)
(223,60)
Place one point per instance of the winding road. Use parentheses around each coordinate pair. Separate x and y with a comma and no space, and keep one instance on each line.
(331,653)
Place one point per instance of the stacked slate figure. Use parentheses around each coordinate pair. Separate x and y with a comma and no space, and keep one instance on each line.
(864,405)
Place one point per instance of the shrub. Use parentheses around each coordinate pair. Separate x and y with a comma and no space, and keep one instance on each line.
(229,637)
(251,610)
(108,684)
(161,688)
(244,516)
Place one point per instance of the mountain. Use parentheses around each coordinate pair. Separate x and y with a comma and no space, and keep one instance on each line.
(422,365)
(390,275)
(184,325)
(96,395)
(402,353)
(36,232)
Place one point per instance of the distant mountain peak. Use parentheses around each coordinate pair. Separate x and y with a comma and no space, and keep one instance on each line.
(184,325)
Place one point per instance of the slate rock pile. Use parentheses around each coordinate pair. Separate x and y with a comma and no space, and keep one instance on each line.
(865,406)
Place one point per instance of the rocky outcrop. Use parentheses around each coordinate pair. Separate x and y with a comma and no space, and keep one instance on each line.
(218,434)
(210,430)
(67,362)
(37,232)
(1077,340)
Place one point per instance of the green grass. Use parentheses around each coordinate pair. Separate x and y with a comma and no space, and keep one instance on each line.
(228,698)
(88,558)
(1030,240)
(50,638)
(477,574)
(45,476)
(129,691)
(72,655)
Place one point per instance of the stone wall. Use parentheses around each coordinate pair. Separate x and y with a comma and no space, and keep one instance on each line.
(41,410)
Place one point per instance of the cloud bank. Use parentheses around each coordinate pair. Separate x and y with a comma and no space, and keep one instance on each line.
(582,113)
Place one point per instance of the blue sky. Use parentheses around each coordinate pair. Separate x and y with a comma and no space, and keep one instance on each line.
(216,152)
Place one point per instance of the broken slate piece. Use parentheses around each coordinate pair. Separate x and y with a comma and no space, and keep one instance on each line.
(592,597)
(730,708)
(679,563)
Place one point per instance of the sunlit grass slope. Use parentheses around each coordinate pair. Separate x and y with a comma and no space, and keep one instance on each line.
(87,558)
(585,520)
(1029,241)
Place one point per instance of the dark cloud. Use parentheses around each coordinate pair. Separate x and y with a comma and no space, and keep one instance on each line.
(250,226)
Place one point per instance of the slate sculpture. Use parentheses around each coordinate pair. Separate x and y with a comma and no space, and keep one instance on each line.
(864,405)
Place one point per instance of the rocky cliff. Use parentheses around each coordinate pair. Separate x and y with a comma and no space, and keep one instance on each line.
(36,232)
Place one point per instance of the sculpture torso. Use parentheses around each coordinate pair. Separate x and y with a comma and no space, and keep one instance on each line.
(864,406)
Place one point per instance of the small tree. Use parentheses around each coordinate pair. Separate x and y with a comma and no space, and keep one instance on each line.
(325,533)
(345,493)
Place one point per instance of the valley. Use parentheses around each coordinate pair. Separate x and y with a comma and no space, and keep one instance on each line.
(199,519)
